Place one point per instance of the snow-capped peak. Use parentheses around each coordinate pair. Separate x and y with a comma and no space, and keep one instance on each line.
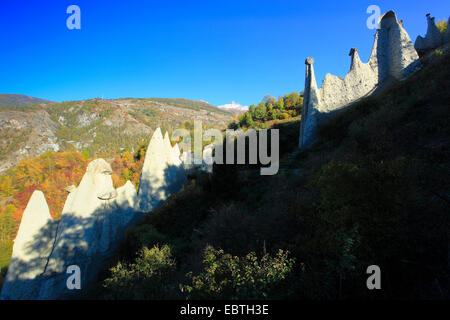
(234,106)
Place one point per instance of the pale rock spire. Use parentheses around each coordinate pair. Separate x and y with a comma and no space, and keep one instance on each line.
(152,184)
(162,173)
(447,33)
(433,38)
(167,145)
(176,155)
(311,103)
(355,60)
(31,249)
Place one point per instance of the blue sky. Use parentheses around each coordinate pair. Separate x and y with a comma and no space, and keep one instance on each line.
(215,51)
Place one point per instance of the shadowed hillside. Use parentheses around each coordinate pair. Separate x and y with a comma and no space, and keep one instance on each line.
(373,190)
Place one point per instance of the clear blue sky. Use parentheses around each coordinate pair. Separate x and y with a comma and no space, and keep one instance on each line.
(216,51)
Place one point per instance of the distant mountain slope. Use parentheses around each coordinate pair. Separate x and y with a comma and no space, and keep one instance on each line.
(8,100)
(98,127)
(183,103)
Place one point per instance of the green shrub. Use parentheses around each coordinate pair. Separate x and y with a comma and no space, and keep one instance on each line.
(284,115)
(442,26)
(5,252)
(228,277)
(150,277)
(5,256)
(438,53)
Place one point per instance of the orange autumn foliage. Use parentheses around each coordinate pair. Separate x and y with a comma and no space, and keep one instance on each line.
(50,173)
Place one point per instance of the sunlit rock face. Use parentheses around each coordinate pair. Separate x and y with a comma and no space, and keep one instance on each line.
(167,147)
(152,189)
(162,172)
(127,197)
(175,155)
(393,57)
(31,249)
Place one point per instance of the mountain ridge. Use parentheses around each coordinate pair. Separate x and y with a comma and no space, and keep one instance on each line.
(19,100)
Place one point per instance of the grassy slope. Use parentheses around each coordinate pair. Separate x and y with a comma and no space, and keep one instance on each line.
(373,190)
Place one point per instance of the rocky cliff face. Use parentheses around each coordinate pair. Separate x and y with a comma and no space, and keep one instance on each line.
(433,38)
(393,57)
(24,135)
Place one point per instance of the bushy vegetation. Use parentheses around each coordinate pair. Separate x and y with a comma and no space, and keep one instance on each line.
(442,26)
(149,277)
(228,277)
(5,256)
(12,140)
